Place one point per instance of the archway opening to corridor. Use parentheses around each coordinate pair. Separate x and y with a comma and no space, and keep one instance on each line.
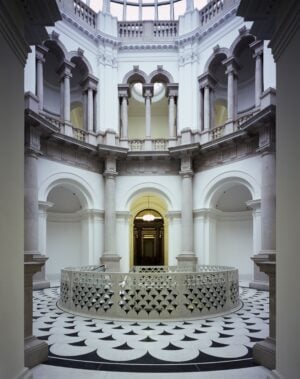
(148,238)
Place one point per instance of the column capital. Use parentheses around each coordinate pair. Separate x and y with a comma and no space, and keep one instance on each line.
(65,69)
(45,205)
(207,80)
(186,169)
(123,90)
(232,65)
(40,52)
(89,82)
(148,90)
(172,90)
(257,48)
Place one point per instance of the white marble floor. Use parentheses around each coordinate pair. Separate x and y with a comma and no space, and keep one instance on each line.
(53,372)
(215,347)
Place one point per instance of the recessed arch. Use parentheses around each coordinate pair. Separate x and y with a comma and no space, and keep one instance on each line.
(75,56)
(241,40)
(57,47)
(71,181)
(215,187)
(135,76)
(223,52)
(160,76)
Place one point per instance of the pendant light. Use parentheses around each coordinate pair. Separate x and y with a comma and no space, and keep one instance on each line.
(148,216)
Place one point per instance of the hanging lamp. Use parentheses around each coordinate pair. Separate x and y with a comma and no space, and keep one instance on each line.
(148,216)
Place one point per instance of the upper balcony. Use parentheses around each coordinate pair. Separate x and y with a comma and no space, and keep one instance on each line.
(162,26)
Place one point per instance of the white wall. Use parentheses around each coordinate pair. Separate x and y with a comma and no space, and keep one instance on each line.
(63,246)
(234,243)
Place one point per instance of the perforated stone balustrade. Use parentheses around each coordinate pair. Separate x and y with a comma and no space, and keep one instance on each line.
(150,292)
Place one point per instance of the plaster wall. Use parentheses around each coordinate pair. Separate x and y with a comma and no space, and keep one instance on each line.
(63,246)
(234,243)
(12,208)
(52,100)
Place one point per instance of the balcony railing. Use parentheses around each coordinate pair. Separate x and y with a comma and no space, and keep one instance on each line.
(145,30)
(159,144)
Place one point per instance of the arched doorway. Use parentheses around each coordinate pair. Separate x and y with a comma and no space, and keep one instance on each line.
(148,238)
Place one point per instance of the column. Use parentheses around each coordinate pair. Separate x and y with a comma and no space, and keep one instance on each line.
(106,6)
(65,72)
(172,93)
(40,60)
(110,257)
(123,90)
(258,49)
(148,93)
(201,109)
(35,351)
(187,256)
(232,68)
(207,82)
(268,202)
(89,85)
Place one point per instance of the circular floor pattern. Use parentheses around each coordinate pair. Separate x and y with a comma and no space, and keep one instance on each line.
(214,343)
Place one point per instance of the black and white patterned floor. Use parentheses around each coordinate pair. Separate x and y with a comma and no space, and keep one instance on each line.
(215,343)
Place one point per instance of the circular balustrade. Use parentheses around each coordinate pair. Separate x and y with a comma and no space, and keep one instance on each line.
(150,292)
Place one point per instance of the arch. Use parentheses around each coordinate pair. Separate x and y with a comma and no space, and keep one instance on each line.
(214,55)
(148,187)
(57,47)
(135,75)
(161,76)
(214,188)
(245,37)
(79,55)
(83,190)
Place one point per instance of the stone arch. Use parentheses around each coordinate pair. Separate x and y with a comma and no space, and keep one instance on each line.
(57,47)
(83,190)
(148,187)
(135,75)
(219,51)
(79,55)
(161,75)
(245,37)
(214,188)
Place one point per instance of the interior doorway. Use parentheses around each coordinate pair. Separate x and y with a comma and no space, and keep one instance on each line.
(148,237)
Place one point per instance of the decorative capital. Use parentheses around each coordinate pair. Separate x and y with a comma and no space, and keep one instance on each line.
(40,52)
(172,90)
(90,82)
(148,90)
(257,47)
(266,143)
(65,69)
(232,66)
(123,90)
(206,80)
(32,141)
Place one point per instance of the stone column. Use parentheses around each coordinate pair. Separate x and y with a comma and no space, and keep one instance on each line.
(148,93)
(65,72)
(264,352)
(232,68)
(110,257)
(172,93)
(201,109)
(31,206)
(187,256)
(258,48)
(123,90)
(40,60)
(106,6)
(268,201)
(207,82)
(35,351)
(89,85)
(189,5)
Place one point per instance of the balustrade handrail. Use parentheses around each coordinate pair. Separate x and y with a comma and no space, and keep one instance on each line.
(148,294)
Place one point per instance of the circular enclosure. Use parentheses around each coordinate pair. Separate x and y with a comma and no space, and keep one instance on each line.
(150,292)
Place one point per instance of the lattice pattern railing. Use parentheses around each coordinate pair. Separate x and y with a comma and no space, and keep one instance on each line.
(150,294)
